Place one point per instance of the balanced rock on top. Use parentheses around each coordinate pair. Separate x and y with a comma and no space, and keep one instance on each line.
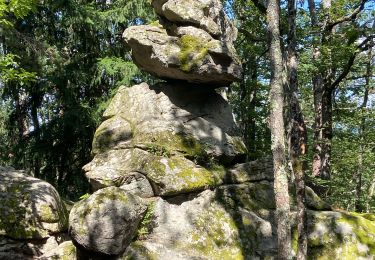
(192,41)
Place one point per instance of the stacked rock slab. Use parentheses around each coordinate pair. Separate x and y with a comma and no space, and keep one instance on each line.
(170,139)
(169,172)
(192,41)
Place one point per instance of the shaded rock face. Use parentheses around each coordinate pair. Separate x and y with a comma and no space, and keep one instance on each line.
(30,249)
(167,133)
(192,42)
(30,208)
(106,222)
(33,218)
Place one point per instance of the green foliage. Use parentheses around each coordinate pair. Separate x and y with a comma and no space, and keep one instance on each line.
(10,71)
(63,62)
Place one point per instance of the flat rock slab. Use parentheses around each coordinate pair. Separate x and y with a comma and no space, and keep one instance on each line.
(205,14)
(30,208)
(188,54)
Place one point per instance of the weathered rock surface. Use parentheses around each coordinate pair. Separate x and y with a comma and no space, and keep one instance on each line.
(30,208)
(167,133)
(31,248)
(206,14)
(193,42)
(191,55)
(64,251)
(106,221)
(237,222)
(341,235)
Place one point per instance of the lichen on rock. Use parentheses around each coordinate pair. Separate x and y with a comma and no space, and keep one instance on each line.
(30,208)
(107,221)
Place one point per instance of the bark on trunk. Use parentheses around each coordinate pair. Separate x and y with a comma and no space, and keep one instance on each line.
(321,166)
(297,134)
(278,131)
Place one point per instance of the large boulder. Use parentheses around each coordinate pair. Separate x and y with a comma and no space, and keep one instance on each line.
(105,223)
(173,116)
(176,139)
(238,222)
(30,208)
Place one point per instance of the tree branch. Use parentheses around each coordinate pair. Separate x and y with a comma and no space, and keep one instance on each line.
(365,45)
(347,18)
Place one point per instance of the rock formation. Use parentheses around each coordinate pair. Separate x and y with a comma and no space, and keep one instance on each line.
(176,147)
(33,218)
(169,175)
(192,41)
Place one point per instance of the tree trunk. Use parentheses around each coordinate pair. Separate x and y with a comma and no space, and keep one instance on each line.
(249,98)
(278,131)
(358,175)
(297,135)
(321,166)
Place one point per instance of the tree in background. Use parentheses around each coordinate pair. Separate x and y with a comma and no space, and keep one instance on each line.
(75,52)
(338,38)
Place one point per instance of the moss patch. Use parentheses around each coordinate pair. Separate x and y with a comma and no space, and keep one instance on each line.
(216,235)
(176,175)
(146,224)
(192,52)
(341,235)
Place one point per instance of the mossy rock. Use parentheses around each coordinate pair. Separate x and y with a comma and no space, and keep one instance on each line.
(110,133)
(176,174)
(65,251)
(340,235)
(30,208)
(106,222)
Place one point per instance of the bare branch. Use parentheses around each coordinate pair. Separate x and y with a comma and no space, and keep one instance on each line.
(347,18)
(365,45)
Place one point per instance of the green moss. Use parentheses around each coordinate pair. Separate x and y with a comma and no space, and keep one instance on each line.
(155,23)
(346,236)
(170,143)
(238,145)
(47,215)
(137,250)
(216,236)
(69,252)
(157,150)
(252,197)
(18,220)
(146,224)
(177,175)
(106,137)
(193,51)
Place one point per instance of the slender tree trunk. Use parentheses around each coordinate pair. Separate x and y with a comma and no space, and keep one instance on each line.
(297,135)
(248,97)
(34,116)
(358,175)
(278,131)
(321,166)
